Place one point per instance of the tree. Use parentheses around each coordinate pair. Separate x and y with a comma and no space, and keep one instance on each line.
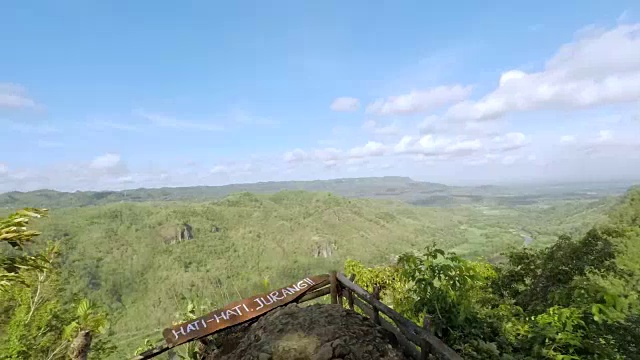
(13,231)
(36,322)
(80,332)
(568,301)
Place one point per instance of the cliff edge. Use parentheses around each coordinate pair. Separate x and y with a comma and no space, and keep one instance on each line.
(315,332)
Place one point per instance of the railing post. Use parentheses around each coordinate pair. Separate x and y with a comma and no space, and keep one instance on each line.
(425,347)
(333,281)
(350,293)
(340,294)
(376,313)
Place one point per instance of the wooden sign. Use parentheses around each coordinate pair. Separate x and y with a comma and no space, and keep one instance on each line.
(238,312)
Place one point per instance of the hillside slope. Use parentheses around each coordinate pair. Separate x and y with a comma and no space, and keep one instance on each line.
(122,255)
(130,257)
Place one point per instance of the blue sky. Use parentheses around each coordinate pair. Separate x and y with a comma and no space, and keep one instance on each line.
(125,94)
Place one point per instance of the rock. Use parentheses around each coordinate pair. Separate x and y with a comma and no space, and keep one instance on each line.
(323,247)
(324,353)
(340,349)
(315,332)
(185,232)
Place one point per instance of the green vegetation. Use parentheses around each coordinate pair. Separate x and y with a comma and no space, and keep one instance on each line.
(125,257)
(36,322)
(385,188)
(576,299)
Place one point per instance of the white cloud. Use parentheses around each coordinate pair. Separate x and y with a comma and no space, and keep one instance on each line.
(567,139)
(600,68)
(419,101)
(330,163)
(372,148)
(105,161)
(434,144)
(328,154)
(14,96)
(511,141)
(125,179)
(107,171)
(404,145)
(605,135)
(4,169)
(295,156)
(509,160)
(431,124)
(219,169)
(606,143)
(357,161)
(465,145)
(345,104)
(169,122)
(444,147)
(232,169)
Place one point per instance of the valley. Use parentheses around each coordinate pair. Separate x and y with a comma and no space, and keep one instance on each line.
(136,258)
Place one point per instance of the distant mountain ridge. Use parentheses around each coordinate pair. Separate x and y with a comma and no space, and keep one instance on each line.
(388,187)
(349,187)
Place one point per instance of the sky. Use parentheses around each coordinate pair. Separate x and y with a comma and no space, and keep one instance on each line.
(98,95)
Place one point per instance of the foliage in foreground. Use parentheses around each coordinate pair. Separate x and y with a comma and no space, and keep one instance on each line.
(573,300)
(35,323)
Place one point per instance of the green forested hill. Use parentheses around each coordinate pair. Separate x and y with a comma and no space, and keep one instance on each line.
(125,255)
(388,188)
(120,254)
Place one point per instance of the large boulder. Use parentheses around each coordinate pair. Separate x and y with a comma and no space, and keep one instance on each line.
(315,332)
(185,232)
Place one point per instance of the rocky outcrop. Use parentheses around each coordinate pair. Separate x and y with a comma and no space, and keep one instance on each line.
(316,332)
(172,234)
(323,248)
(185,232)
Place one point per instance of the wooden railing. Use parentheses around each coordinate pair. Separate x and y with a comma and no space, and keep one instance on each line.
(416,342)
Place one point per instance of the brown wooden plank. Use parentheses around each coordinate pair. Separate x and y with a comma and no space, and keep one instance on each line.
(405,332)
(426,350)
(408,348)
(376,314)
(238,312)
(439,348)
(350,293)
(152,352)
(334,286)
(315,294)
